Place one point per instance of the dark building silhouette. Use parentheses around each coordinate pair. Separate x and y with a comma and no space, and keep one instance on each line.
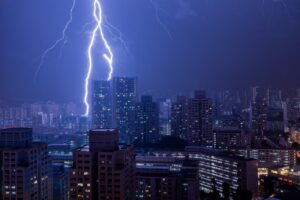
(200,123)
(25,166)
(104,169)
(230,137)
(192,119)
(166,178)
(60,182)
(147,120)
(259,109)
(179,117)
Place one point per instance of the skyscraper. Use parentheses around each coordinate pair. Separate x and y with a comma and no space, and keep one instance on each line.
(60,182)
(147,120)
(259,109)
(104,169)
(200,120)
(179,117)
(124,101)
(165,106)
(102,104)
(192,119)
(25,166)
(274,98)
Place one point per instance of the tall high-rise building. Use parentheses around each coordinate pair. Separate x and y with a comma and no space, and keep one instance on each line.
(179,117)
(192,119)
(200,125)
(147,120)
(165,106)
(60,182)
(255,92)
(124,101)
(25,166)
(102,104)
(274,98)
(259,109)
(104,169)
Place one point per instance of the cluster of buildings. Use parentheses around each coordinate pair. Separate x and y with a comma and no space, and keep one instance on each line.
(116,104)
(108,169)
(220,120)
(232,140)
(47,115)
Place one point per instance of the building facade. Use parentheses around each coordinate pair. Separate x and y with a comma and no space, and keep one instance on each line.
(25,166)
(147,120)
(104,169)
(217,168)
(60,182)
(166,178)
(200,125)
(269,157)
(213,166)
(230,137)
(124,101)
(179,117)
(101,104)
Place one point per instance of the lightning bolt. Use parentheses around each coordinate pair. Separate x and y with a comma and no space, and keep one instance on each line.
(108,56)
(113,31)
(159,21)
(58,41)
(119,36)
(85,27)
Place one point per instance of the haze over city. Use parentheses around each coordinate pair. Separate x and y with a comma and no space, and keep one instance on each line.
(150,100)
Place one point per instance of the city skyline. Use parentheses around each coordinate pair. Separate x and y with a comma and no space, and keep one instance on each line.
(150,100)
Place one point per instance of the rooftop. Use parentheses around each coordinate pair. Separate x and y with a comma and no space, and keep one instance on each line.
(21,129)
(103,130)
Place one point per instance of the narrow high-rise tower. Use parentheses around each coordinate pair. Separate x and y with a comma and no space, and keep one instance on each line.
(124,101)
(102,104)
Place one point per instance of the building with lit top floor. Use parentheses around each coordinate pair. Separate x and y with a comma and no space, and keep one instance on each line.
(166,178)
(218,166)
(269,157)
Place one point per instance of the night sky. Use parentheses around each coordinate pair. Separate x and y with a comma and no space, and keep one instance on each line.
(215,44)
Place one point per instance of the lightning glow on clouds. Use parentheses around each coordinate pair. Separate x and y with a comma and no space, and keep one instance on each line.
(63,39)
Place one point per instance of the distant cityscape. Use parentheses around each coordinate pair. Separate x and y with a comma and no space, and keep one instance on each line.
(210,145)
